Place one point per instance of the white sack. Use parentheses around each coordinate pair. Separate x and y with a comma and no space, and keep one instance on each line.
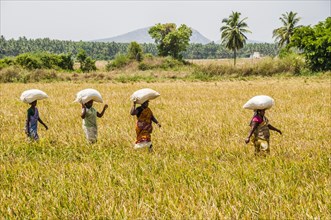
(142,145)
(142,95)
(87,95)
(32,95)
(259,102)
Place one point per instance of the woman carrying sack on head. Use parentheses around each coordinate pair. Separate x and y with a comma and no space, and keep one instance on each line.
(260,128)
(144,126)
(89,116)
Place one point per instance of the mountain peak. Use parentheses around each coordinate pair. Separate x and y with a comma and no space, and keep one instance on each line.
(141,36)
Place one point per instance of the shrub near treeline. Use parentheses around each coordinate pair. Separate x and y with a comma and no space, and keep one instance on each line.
(32,61)
(34,67)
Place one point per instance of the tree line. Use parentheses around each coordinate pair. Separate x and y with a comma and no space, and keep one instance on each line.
(108,50)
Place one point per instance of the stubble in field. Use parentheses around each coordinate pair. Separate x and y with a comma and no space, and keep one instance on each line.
(201,167)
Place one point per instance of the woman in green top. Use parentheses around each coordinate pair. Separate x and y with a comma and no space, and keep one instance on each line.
(89,116)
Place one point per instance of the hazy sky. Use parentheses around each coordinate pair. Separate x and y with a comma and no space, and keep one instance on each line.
(89,20)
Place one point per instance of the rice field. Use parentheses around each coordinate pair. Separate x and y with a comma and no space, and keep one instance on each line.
(201,167)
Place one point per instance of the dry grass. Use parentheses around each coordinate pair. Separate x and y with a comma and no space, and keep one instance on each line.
(201,168)
(101,64)
(239,62)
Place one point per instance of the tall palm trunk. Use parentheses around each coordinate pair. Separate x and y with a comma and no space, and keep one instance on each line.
(232,33)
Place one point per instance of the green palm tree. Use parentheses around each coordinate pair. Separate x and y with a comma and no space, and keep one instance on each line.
(283,34)
(232,33)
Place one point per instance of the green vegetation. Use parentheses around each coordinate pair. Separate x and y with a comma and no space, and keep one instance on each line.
(96,50)
(233,33)
(283,34)
(166,63)
(87,64)
(171,41)
(108,51)
(155,69)
(120,61)
(7,61)
(315,44)
(135,52)
(33,61)
(135,57)
(175,51)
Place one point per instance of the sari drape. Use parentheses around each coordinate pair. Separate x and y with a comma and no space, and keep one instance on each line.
(144,126)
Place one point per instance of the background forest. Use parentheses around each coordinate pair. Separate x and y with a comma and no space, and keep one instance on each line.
(108,51)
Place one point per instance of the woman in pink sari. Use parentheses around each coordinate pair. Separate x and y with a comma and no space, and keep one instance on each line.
(260,129)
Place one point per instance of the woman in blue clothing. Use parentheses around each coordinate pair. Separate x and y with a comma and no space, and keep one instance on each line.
(31,127)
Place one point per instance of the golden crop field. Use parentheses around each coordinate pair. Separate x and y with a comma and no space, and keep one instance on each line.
(200,169)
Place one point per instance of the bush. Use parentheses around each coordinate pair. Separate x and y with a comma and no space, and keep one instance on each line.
(54,61)
(88,65)
(66,62)
(28,61)
(49,61)
(148,55)
(9,75)
(42,75)
(15,74)
(292,63)
(135,51)
(267,67)
(6,62)
(120,61)
(143,66)
(148,63)
(32,61)
(161,63)
(170,62)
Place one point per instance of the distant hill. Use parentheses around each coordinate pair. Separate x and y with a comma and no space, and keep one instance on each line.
(142,36)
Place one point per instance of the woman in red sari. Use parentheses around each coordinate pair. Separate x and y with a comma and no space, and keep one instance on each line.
(144,126)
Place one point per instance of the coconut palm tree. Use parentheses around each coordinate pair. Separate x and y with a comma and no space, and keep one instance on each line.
(232,33)
(283,34)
